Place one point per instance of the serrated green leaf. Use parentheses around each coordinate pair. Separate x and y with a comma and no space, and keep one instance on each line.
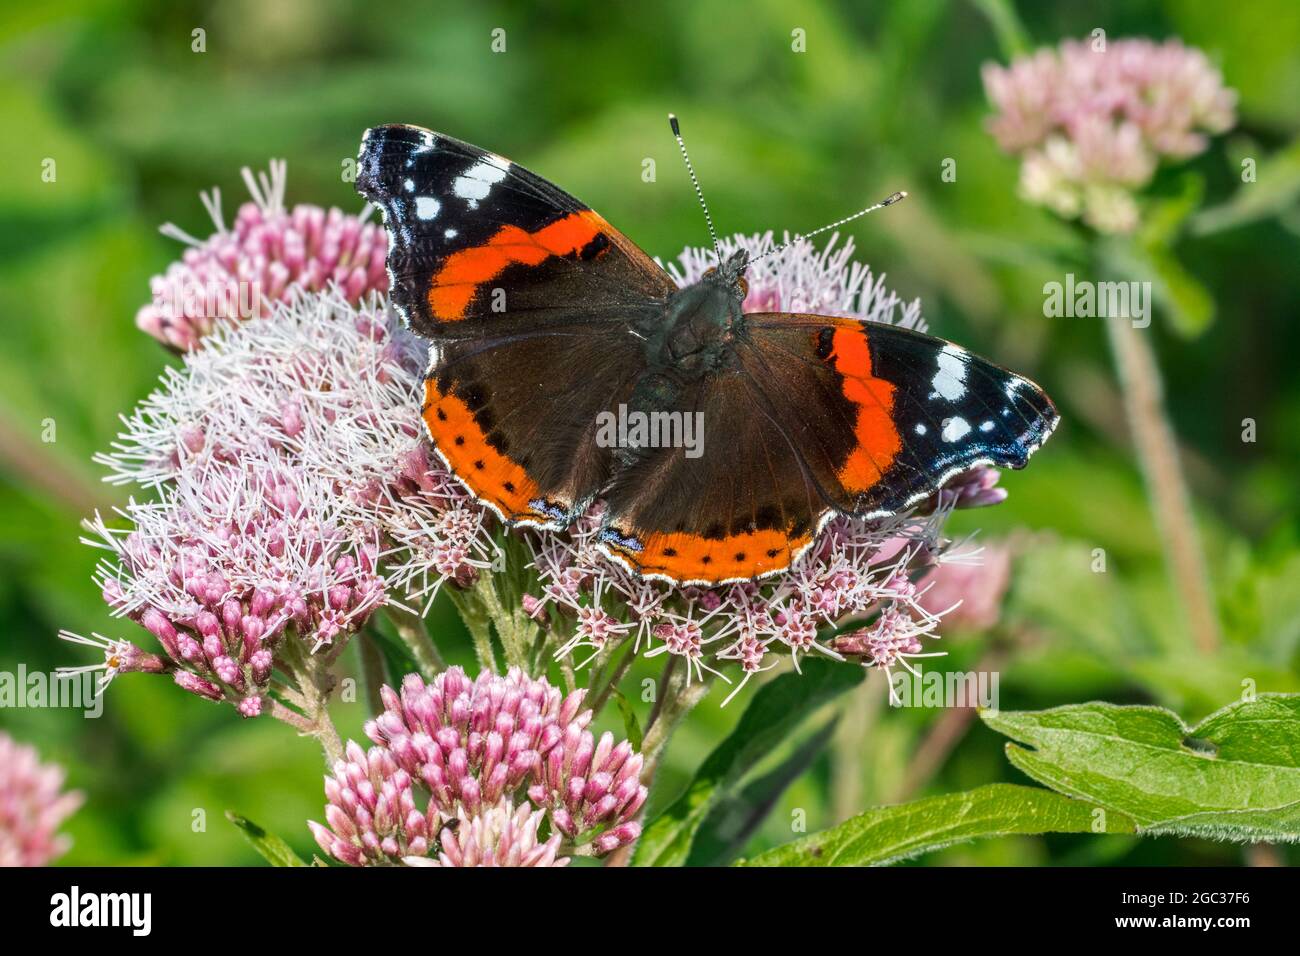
(887,834)
(273,849)
(1235,775)
(776,710)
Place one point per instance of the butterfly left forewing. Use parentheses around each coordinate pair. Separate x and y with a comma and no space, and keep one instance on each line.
(479,246)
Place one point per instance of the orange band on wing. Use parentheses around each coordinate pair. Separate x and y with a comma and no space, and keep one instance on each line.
(492,476)
(454,286)
(689,557)
(877,439)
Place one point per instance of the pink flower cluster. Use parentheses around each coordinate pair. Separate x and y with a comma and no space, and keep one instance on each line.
(251,535)
(32,806)
(857,571)
(219,580)
(1092,120)
(497,758)
(265,257)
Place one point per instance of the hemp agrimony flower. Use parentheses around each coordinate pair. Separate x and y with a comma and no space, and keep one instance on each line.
(1091,123)
(470,772)
(267,255)
(33,805)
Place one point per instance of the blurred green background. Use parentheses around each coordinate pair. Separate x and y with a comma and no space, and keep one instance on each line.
(885,92)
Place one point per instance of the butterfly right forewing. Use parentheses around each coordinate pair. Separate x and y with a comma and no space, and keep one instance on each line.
(883,416)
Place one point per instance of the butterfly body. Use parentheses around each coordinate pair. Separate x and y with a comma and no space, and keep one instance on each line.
(697,332)
(546,323)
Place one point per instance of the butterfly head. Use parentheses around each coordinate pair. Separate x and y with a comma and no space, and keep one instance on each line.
(730,275)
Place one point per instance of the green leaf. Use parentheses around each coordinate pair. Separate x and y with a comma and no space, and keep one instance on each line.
(631,726)
(735,818)
(776,710)
(887,834)
(274,850)
(1185,301)
(1235,775)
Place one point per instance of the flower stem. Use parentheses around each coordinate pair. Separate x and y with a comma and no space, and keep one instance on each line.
(469,605)
(677,695)
(1157,452)
(675,700)
(410,628)
(372,670)
(514,629)
(851,746)
(608,684)
(314,683)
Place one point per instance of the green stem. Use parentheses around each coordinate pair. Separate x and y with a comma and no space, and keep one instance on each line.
(478,622)
(675,700)
(608,684)
(410,628)
(853,741)
(514,628)
(1013,39)
(372,670)
(314,682)
(1157,453)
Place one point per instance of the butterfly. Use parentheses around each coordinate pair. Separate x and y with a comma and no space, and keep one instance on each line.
(544,320)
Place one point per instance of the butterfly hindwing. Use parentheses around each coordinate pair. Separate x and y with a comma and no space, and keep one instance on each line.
(742,507)
(479,245)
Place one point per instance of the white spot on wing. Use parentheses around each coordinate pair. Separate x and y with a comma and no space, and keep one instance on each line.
(426,207)
(954,428)
(478,181)
(950,379)
(986,426)
(920,429)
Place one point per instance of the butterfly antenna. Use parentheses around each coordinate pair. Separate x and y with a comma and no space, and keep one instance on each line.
(887,201)
(699,193)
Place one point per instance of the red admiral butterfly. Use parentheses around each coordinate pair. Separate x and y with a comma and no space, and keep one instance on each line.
(542,317)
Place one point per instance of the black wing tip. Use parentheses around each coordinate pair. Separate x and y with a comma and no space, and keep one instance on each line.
(395,132)
(1034,437)
(384,150)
